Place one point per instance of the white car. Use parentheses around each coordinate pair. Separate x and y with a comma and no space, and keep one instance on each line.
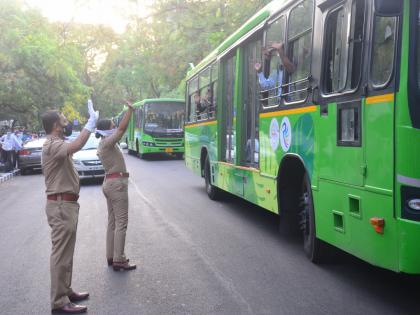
(87,162)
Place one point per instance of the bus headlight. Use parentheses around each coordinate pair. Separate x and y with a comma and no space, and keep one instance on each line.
(148,144)
(414,204)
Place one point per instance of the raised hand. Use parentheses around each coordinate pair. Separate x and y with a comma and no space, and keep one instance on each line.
(129,104)
(93,117)
(92,113)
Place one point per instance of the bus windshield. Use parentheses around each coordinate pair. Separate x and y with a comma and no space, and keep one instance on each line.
(164,117)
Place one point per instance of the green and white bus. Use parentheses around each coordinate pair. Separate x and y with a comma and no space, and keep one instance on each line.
(333,146)
(157,126)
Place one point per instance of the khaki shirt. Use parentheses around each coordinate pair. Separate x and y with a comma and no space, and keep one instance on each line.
(57,167)
(111,155)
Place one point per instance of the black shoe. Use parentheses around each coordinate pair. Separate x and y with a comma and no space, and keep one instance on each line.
(70,308)
(124,266)
(75,297)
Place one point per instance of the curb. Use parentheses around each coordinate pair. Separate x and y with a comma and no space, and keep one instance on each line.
(7,176)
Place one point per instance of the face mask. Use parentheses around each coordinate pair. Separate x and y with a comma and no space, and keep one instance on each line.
(67,130)
(105,133)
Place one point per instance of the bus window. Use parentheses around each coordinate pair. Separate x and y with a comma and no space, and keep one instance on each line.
(214,78)
(138,115)
(383,50)
(192,99)
(205,94)
(417,30)
(343,53)
(335,51)
(272,79)
(300,47)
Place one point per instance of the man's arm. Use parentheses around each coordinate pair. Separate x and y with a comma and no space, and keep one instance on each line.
(81,140)
(117,135)
(288,65)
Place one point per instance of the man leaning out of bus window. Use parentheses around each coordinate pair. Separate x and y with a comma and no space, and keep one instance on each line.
(274,53)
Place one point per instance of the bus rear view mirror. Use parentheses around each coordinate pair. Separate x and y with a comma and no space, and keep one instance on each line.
(388,7)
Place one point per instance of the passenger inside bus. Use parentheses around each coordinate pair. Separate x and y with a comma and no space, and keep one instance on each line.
(199,109)
(207,102)
(276,56)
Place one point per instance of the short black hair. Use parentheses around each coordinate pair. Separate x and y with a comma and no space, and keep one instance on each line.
(103,124)
(48,120)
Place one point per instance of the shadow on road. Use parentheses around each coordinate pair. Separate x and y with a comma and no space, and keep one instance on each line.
(154,157)
(399,290)
(91,181)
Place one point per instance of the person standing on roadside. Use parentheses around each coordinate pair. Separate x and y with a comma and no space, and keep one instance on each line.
(62,209)
(115,189)
(10,144)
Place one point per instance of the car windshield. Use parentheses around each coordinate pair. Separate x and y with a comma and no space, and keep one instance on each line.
(164,117)
(91,144)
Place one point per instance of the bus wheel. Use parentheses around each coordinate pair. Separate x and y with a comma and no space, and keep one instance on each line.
(213,192)
(314,248)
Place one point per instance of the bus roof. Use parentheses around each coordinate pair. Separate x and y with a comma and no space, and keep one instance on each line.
(158,100)
(261,16)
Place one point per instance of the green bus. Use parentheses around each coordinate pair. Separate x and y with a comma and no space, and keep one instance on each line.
(157,126)
(332,145)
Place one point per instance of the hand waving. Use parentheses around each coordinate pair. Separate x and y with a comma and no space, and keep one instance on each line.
(93,117)
(92,113)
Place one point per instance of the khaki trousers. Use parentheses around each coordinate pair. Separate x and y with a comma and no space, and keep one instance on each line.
(116,193)
(62,217)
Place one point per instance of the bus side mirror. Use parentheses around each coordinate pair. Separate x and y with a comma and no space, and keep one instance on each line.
(388,8)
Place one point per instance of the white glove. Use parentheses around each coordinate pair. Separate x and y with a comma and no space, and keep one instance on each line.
(93,117)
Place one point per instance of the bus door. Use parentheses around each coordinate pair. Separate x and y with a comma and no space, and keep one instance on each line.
(249,144)
(229,111)
(340,133)
(233,180)
(130,132)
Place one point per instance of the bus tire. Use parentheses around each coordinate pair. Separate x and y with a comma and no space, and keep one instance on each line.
(213,192)
(314,248)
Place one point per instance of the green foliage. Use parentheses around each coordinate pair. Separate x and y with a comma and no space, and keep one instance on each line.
(45,65)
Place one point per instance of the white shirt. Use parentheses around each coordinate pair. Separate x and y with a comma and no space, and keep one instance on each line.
(10,142)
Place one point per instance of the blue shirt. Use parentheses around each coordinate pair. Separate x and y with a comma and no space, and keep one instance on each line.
(10,142)
(275,79)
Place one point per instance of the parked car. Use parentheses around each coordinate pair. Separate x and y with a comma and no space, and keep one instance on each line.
(86,161)
(29,158)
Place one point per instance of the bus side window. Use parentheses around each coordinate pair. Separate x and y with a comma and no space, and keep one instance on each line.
(271,80)
(383,50)
(300,50)
(335,51)
(343,57)
(214,78)
(138,117)
(202,106)
(192,99)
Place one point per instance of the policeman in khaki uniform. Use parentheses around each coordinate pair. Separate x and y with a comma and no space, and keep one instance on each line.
(62,189)
(115,189)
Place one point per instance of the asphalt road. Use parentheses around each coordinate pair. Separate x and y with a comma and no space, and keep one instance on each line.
(194,256)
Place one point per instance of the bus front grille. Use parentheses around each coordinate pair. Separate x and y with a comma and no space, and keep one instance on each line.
(169,142)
